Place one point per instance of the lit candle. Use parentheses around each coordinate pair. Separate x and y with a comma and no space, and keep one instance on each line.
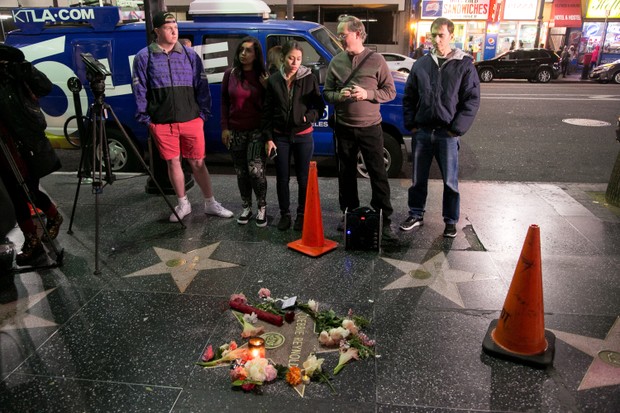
(256,346)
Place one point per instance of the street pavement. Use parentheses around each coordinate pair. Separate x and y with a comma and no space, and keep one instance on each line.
(127,339)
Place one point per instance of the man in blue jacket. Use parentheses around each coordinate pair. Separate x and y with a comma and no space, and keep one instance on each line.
(173,100)
(442,96)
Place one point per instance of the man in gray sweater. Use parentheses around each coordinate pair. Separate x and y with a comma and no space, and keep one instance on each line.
(358,121)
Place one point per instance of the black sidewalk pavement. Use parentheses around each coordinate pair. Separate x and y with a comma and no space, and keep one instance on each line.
(127,339)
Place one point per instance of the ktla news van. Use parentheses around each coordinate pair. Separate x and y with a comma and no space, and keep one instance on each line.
(54,38)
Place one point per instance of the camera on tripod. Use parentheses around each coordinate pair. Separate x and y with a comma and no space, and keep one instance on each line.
(95,70)
(96,73)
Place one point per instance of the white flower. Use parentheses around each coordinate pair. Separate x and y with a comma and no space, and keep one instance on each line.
(313,305)
(325,339)
(256,369)
(250,318)
(312,364)
(337,334)
(350,326)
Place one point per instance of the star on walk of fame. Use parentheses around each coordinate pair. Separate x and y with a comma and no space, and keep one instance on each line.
(436,274)
(183,266)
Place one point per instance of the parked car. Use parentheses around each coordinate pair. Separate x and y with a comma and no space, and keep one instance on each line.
(398,62)
(607,72)
(535,65)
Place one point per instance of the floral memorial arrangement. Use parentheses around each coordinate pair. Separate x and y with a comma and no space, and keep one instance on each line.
(250,369)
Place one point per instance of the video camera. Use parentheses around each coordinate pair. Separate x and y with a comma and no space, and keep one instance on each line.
(95,70)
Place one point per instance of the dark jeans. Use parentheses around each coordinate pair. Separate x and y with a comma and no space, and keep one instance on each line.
(428,144)
(368,141)
(249,159)
(301,148)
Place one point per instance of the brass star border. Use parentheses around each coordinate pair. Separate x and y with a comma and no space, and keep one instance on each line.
(183,267)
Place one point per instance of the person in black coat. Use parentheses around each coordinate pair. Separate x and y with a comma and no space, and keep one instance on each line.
(22,126)
(292,103)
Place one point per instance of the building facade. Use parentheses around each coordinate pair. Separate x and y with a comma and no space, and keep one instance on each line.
(485,28)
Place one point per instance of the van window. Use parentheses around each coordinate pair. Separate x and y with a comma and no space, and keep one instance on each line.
(328,40)
(218,54)
(312,59)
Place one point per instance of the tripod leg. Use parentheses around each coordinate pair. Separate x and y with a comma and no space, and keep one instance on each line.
(133,147)
(81,169)
(20,180)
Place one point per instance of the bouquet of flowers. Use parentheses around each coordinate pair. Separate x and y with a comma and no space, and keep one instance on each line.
(251,374)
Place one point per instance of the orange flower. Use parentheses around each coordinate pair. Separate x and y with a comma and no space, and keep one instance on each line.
(293,376)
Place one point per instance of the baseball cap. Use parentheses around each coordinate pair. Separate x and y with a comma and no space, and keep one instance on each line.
(162,18)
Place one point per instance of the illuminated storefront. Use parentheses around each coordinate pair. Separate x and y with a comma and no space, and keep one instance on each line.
(602,28)
(469,17)
(485,28)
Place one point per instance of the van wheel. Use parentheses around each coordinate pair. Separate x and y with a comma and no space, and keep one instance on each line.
(486,75)
(122,156)
(543,76)
(392,157)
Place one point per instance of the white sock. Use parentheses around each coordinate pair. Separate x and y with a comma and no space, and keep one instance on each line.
(210,199)
(183,201)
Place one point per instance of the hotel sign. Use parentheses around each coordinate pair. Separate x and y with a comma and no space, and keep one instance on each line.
(567,13)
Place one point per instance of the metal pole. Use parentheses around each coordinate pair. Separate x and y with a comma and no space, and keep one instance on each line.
(289,10)
(541,10)
(602,48)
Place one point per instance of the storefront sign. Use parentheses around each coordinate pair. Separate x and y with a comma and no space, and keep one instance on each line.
(520,9)
(494,7)
(567,13)
(466,9)
(490,46)
(431,9)
(598,8)
(456,9)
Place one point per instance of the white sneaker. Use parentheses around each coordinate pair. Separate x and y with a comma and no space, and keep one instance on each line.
(215,208)
(261,217)
(245,216)
(182,211)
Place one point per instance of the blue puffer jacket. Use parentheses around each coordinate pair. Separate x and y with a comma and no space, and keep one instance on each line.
(446,96)
(170,88)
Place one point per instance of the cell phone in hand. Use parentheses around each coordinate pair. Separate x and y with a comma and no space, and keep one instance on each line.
(273,153)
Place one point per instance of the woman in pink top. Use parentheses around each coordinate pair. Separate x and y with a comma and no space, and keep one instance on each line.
(243,92)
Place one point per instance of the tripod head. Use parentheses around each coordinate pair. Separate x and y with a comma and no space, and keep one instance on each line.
(96,73)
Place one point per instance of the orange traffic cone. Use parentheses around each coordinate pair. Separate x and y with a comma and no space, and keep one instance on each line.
(519,334)
(312,242)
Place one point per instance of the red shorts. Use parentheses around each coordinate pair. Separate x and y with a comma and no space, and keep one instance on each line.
(183,138)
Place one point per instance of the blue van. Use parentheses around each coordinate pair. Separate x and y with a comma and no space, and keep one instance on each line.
(54,38)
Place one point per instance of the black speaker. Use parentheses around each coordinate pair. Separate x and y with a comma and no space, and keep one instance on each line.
(362,229)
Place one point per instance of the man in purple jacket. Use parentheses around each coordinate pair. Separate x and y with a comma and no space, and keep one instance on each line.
(173,100)
(442,96)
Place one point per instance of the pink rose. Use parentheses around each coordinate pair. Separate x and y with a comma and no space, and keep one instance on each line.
(270,373)
(208,353)
(264,293)
(239,298)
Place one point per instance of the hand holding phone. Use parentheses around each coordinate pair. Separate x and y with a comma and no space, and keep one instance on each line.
(273,153)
